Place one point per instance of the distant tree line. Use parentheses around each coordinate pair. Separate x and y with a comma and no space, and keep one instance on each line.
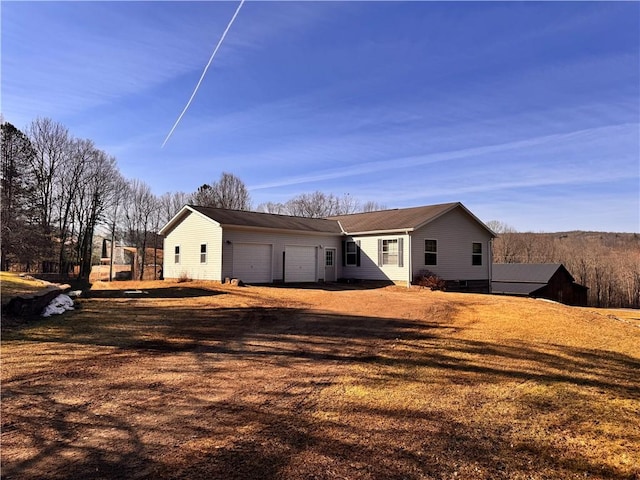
(319,205)
(58,190)
(607,263)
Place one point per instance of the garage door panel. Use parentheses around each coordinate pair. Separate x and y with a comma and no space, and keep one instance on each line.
(252,262)
(300,264)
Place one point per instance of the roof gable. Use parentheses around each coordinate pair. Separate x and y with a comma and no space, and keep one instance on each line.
(399,219)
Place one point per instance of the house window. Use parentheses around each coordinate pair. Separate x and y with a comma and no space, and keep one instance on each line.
(176,252)
(390,252)
(352,254)
(203,253)
(430,252)
(476,253)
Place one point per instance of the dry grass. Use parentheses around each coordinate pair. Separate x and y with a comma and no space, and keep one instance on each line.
(12,284)
(200,380)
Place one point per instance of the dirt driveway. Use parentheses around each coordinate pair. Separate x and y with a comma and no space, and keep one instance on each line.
(195,380)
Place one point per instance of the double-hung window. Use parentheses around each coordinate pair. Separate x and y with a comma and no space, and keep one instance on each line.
(203,253)
(351,257)
(430,252)
(476,253)
(390,252)
(176,254)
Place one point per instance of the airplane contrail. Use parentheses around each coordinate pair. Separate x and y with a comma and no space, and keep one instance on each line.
(195,90)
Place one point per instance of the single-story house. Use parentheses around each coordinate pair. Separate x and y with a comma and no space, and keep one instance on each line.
(539,280)
(390,245)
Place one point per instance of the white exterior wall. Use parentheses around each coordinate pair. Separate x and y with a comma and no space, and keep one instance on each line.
(369,269)
(278,241)
(455,232)
(190,233)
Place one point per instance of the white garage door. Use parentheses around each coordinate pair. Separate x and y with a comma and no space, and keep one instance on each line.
(252,262)
(300,264)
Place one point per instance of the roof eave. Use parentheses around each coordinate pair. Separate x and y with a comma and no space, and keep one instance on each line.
(382,232)
(279,230)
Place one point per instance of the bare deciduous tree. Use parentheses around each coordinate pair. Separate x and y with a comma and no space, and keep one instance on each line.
(50,141)
(372,206)
(138,213)
(100,190)
(171,203)
(273,207)
(228,192)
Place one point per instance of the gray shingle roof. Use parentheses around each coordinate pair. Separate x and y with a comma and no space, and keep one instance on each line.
(524,272)
(240,218)
(397,219)
(516,288)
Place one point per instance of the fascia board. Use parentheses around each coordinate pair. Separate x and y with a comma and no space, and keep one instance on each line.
(247,228)
(382,232)
(178,217)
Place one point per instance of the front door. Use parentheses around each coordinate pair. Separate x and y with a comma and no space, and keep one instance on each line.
(330,265)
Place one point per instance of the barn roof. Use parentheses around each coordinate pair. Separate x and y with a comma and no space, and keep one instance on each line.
(515,288)
(525,272)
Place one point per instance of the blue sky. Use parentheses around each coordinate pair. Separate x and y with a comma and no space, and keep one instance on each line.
(527,112)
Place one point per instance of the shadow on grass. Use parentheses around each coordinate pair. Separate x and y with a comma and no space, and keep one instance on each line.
(342,285)
(162,292)
(245,400)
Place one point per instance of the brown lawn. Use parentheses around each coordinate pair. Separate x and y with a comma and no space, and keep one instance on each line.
(12,284)
(206,381)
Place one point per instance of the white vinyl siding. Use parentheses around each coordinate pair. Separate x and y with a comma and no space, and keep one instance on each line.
(454,232)
(190,234)
(371,267)
(278,241)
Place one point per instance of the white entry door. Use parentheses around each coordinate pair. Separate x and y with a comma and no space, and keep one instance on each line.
(330,265)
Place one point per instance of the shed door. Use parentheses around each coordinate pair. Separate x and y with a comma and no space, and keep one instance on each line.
(252,262)
(300,264)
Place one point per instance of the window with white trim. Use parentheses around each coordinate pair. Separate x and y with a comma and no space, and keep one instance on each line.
(390,252)
(203,253)
(476,253)
(430,252)
(176,254)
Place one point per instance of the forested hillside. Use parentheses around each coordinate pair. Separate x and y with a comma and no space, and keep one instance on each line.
(607,263)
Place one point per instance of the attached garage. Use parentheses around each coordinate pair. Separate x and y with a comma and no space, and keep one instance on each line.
(252,262)
(300,263)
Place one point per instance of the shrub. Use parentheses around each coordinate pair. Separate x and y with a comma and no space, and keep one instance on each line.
(184,277)
(428,279)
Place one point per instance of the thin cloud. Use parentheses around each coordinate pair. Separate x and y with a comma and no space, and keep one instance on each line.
(417,160)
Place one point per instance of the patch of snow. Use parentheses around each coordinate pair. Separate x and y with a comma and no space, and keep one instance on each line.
(58,305)
(134,292)
(75,293)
